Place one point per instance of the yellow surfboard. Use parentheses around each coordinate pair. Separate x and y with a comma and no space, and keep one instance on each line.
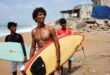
(44,61)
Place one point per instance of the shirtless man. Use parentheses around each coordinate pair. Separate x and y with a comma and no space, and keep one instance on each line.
(42,34)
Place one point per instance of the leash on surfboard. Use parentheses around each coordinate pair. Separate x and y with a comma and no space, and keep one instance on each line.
(85,63)
(83,52)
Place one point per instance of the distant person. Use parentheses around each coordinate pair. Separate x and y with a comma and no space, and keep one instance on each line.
(65,31)
(15,37)
(106,25)
(42,34)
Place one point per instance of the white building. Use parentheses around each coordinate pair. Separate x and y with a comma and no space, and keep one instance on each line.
(80,11)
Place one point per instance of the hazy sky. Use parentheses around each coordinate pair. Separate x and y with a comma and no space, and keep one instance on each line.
(20,11)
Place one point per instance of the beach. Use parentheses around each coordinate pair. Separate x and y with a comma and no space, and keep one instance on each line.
(94,60)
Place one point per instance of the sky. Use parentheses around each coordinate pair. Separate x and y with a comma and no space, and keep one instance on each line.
(20,11)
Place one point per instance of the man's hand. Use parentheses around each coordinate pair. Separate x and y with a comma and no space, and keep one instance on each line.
(58,65)
(25,59)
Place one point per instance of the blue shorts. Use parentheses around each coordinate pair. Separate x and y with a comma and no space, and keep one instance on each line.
(71,58)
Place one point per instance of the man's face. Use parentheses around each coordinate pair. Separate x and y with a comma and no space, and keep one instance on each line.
(40,17)
(13,29)
(63,25)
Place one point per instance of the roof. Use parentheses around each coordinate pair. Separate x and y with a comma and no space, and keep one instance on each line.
(75,8)
(66,11)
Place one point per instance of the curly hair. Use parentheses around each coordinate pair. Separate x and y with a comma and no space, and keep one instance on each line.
(37,10)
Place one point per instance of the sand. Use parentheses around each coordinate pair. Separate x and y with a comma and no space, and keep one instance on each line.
(95,62)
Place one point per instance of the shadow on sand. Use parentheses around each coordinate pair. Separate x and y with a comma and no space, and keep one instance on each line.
(74,68)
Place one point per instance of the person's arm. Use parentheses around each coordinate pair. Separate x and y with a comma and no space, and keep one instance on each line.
(57,33)
(22,44)
(33,46)
(71,31)
(55,39)
(23,47)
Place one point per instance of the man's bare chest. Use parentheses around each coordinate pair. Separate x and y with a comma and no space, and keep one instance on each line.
(43,35)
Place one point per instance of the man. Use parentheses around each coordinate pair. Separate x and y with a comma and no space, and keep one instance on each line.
(65,31)
(42,34)
(106,25)
(15,37)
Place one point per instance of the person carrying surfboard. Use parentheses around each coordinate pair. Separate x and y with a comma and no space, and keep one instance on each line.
(15,37)
(42,34)
(65,31)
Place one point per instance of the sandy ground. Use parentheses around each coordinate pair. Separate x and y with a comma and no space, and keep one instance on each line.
(94,60)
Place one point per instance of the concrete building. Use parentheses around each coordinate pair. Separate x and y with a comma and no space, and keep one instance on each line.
(80,16)
(80,11)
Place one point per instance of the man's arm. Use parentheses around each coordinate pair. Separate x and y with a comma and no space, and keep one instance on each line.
(71,31)
(22,44)
(33,46)
(23,47)
(55,39)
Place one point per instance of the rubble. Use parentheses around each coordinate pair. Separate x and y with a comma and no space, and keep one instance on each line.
(85,25)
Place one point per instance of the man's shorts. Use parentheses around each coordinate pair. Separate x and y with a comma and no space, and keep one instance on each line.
(71,58)
(14,65)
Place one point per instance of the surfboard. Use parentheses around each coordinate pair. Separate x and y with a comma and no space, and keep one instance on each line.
(44,61)
(13,51)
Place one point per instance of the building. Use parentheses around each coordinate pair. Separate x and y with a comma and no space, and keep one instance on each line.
(80,11)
